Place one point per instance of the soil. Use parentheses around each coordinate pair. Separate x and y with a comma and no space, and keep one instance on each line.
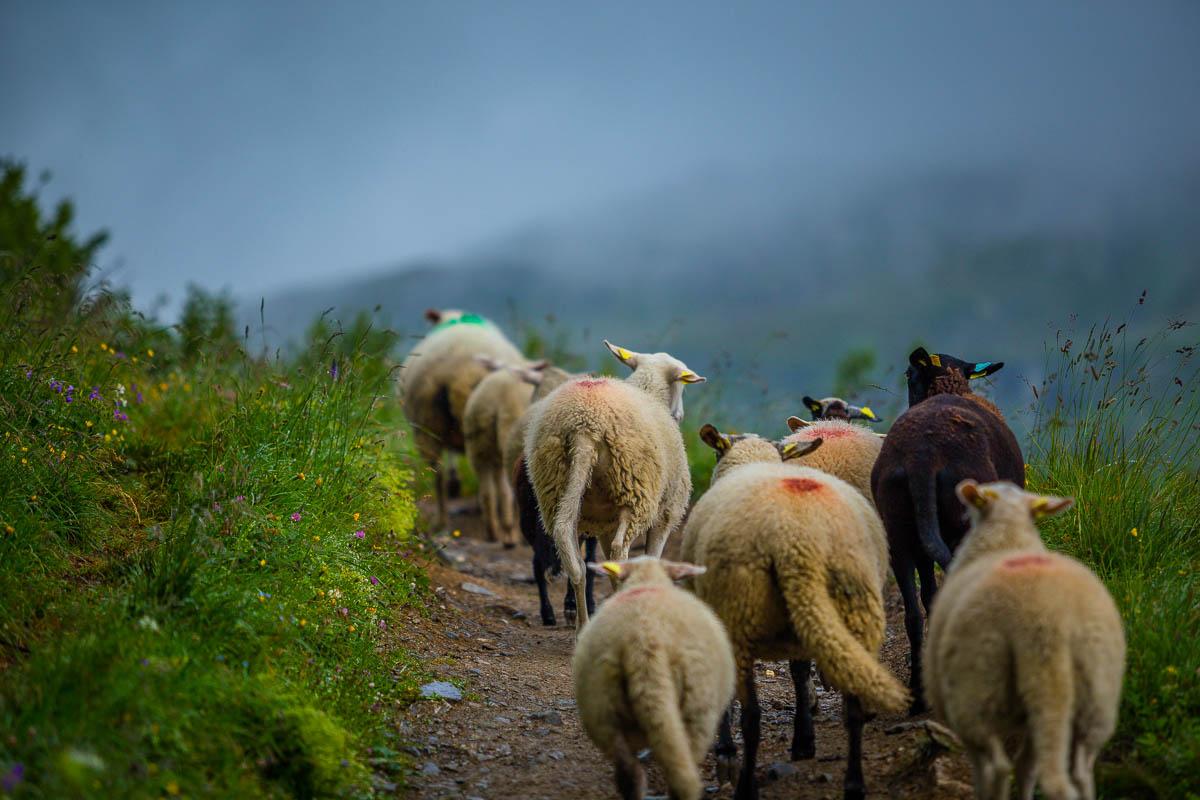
(516,734)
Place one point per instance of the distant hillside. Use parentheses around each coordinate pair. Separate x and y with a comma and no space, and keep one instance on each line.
(770,295)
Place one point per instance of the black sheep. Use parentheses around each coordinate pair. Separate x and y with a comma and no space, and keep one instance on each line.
(545,554)
(946,436)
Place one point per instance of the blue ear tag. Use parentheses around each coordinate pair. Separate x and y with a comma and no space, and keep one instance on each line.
(979,369)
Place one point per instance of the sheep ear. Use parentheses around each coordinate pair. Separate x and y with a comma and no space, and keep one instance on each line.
(678,570)
(538,366)
(920,358)
(795,423)
(687,376)
(812,405)
(714,438)
(433,315)
(1042,506)
(528,375)
(627,357)
(612,568)
(789,450)
(984,368)
(970,494)
(863,412)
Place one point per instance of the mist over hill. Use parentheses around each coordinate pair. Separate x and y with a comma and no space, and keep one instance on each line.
(765,280)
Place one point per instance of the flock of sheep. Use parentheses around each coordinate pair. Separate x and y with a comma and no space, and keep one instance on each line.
(784,557)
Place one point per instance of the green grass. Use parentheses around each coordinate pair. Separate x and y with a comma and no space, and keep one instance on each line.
(1118,428)
(185,606)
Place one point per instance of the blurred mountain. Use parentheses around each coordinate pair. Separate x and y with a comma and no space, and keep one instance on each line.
(770,278)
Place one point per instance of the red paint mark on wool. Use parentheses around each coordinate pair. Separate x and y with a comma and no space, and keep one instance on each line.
(832,432)
(636,591)
(800,485)
(589,383)
(1020,562)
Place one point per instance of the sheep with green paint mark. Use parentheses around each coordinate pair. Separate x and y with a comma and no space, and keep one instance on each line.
(437,378)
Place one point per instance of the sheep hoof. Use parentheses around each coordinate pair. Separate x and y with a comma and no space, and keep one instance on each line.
(548,620)
(854,793)
(569,615)
(919,706)
(803,751)
(727,769)
(509,545)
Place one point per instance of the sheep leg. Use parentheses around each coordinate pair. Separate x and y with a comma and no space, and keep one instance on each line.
(747,788)
(589,546)
(853,788)
(993,771)
(902,566)
(569,601)
(1026,774)
(618,548)
(631,778)
(1082,771)
(726,749)
(546,607)
(804,743)
(487,503)
(508,524)
(928,584)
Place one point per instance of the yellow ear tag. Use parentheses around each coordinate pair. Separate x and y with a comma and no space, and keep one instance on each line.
(683,376)
(624,354)
(868,413)
(789,448)
(936,359)
(1039,506)
(612,568)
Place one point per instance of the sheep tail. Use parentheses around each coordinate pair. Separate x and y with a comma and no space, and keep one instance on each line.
(922,489)
(653,698)
(842,659)
(581,457)
(1046,686)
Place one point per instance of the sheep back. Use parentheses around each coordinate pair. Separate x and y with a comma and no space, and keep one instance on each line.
(848,451)
(762,520)
(1001,626)
(439,374)
(641,465)
(492,411)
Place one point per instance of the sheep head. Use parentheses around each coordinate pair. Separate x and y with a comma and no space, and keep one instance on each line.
(660,374)
(837,408)
(646,570)
(925,369)
(750,448)
(986,500)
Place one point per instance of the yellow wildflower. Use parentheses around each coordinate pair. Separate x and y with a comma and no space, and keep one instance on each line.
(88,424)
(1134,533)
(352,629)
(456,533)
(319,481)
(172,788)
(301,476)
(103,346)
(355,515)
(303,622)
(262,562)
(74,349)
(150,352)
(163,386)
(9,529)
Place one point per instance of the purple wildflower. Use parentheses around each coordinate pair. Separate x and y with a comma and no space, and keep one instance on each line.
(95,395)
(333,370)
(360,534)
(28,374)
(374,580)
(383,624)
(295,516)
(345,612)
(120,415)
(241,498)
(217,507)
(13,778)
(56,385)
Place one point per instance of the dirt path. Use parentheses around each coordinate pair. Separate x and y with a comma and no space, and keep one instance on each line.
(516,734)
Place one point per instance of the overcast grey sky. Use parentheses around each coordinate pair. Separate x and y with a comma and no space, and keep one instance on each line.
(257,145)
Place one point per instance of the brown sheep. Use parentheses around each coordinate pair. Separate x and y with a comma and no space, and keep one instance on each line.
(947,435)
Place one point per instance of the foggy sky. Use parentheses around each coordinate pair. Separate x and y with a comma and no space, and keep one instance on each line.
(297,142)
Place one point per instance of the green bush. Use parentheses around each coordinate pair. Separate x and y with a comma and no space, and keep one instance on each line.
(201,552)
(1118,427)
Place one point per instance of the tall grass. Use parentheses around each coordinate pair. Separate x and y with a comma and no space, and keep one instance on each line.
(1117,426)
(201,553)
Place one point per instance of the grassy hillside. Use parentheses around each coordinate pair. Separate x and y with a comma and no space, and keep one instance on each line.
(200,551)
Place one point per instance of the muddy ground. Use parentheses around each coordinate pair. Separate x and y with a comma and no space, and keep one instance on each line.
(515,734)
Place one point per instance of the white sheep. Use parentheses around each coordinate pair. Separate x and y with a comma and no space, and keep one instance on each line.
(606,459)
(436,379)
(653,669)
(1024,645)
(492,411)
(849,451)
(796,561)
